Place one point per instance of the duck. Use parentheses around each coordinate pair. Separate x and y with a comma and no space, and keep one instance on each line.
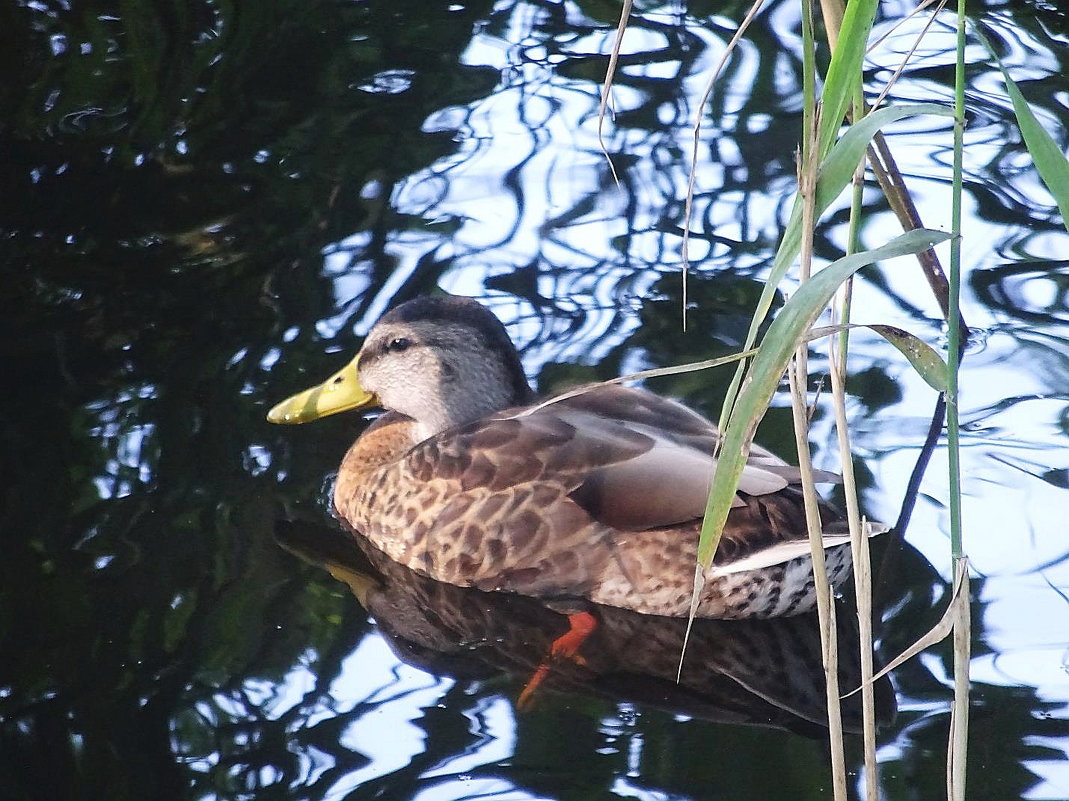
(593,496)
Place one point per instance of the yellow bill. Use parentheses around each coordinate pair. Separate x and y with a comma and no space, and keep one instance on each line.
(339,393)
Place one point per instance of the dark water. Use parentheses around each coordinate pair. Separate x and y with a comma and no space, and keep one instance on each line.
(203,206)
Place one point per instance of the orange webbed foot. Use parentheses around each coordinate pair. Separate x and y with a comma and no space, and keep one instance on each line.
(566,646)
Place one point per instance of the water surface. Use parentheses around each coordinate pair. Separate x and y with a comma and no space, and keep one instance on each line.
(205,206)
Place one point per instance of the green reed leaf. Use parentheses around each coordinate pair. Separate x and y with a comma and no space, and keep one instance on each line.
(835,173)
(839,165)
(784,334)
(844,71)
(1050,161)
(925,359)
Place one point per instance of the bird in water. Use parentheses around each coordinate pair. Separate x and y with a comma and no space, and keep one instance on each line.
(596,495)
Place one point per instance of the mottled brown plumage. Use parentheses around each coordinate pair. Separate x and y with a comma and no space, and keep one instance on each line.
(594,495)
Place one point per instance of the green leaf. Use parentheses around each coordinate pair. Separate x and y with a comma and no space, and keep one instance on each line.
(779,344)
(839,165)
(843,79)
(835,173)
(1050,161)
(925,359)
(840,85)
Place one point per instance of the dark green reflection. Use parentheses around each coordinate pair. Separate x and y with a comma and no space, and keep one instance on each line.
(170,173)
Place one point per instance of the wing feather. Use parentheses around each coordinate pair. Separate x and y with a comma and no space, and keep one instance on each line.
(631,459)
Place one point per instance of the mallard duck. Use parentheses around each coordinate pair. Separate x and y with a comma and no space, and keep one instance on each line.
(595,495)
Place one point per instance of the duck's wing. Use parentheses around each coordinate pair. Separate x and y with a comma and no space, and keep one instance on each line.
(668,482)
(630,459)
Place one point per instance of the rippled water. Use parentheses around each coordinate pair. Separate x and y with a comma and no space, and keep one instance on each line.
(204,210)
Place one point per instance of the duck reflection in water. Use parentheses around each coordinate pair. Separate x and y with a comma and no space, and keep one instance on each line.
(596,495)
(754,672)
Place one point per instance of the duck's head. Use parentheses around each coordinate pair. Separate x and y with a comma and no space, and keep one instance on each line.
(442,361)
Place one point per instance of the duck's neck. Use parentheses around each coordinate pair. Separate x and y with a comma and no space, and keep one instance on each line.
(467,391)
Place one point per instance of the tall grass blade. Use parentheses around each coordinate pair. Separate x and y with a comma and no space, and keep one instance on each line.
(606,90)
(710,84)
(834,174)
(829,640)
(844,71)
(783,336)
(959,713)
(924,358)
(839,164)
(1050,161)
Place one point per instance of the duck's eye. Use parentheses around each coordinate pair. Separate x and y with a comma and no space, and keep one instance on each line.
(399,344)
